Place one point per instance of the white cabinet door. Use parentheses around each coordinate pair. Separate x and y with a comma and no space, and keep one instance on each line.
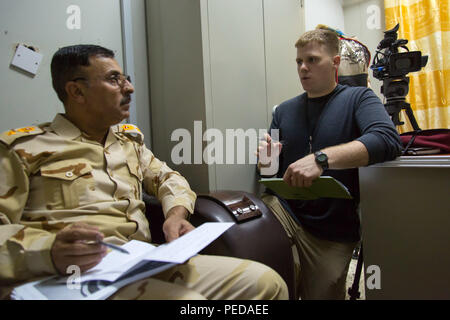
(251,65)
(238,81)
(224,63)
(283,25)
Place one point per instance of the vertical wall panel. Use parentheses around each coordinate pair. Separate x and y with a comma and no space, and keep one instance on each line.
(176,80)
(283,25)
(221,80)
(238,80)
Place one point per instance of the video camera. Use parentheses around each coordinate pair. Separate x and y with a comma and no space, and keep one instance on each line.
(394,64)
(391,67)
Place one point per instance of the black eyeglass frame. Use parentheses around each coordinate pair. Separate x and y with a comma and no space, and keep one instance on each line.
(120,80)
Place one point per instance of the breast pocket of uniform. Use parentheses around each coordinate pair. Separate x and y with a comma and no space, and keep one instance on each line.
(136,177)
(66,182)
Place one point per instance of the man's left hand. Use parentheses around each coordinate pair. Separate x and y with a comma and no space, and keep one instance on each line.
(302,172)
(176,224)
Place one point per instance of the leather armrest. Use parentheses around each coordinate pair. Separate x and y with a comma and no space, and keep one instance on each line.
(259,238)
(155,217)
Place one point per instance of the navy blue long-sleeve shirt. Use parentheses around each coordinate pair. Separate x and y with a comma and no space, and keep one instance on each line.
(351,113)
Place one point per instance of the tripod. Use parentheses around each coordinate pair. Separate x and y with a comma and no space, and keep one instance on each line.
(393,108)
(353,291)
(395,91)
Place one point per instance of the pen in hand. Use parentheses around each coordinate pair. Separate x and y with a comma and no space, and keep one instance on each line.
(112,246)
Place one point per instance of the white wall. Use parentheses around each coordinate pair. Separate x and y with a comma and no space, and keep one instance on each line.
(328,12)
(364,19)
(26,100)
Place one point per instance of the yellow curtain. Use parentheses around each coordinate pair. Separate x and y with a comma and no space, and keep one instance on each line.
(426,24)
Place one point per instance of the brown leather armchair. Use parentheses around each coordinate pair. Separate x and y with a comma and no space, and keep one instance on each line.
(257,234)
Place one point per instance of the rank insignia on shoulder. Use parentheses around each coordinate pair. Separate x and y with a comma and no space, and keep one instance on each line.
(10,136)
(21,130)
(132,131)
(129,127)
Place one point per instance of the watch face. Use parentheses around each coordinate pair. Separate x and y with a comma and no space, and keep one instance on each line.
(321,157)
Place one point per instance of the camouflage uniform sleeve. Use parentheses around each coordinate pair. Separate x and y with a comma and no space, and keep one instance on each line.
(24,252)
(166,184)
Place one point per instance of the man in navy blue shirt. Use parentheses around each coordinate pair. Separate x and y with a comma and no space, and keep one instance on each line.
(329,130)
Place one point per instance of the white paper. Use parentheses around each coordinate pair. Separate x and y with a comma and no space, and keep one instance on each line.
(116,263)
(119,269)
(52,289)
(190,244)
(178,251)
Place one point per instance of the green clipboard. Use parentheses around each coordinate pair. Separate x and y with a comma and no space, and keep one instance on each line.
(322,187)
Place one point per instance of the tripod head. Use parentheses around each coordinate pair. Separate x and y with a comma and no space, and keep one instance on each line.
(395,91)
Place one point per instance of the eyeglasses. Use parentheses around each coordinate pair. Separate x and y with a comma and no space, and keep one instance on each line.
(116,79)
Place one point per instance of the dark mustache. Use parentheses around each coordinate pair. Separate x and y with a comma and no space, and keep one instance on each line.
(125,100)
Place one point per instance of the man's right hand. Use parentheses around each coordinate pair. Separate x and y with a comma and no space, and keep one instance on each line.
(268,153)
(72,247)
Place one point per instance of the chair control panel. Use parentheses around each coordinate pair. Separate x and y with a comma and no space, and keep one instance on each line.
(244,209)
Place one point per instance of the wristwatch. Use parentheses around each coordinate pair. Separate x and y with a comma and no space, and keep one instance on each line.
(321,159)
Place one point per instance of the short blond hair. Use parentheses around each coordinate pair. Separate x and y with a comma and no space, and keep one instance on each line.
(326,37)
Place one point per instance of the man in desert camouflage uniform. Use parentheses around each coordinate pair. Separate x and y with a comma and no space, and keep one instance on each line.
(76,180)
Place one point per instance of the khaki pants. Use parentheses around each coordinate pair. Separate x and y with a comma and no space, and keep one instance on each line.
(321,265)
(209,277)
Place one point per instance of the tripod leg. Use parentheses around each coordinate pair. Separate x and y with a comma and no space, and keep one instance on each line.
(354,290)
(411,117)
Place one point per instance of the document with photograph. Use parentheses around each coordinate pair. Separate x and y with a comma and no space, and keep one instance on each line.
(118,269)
